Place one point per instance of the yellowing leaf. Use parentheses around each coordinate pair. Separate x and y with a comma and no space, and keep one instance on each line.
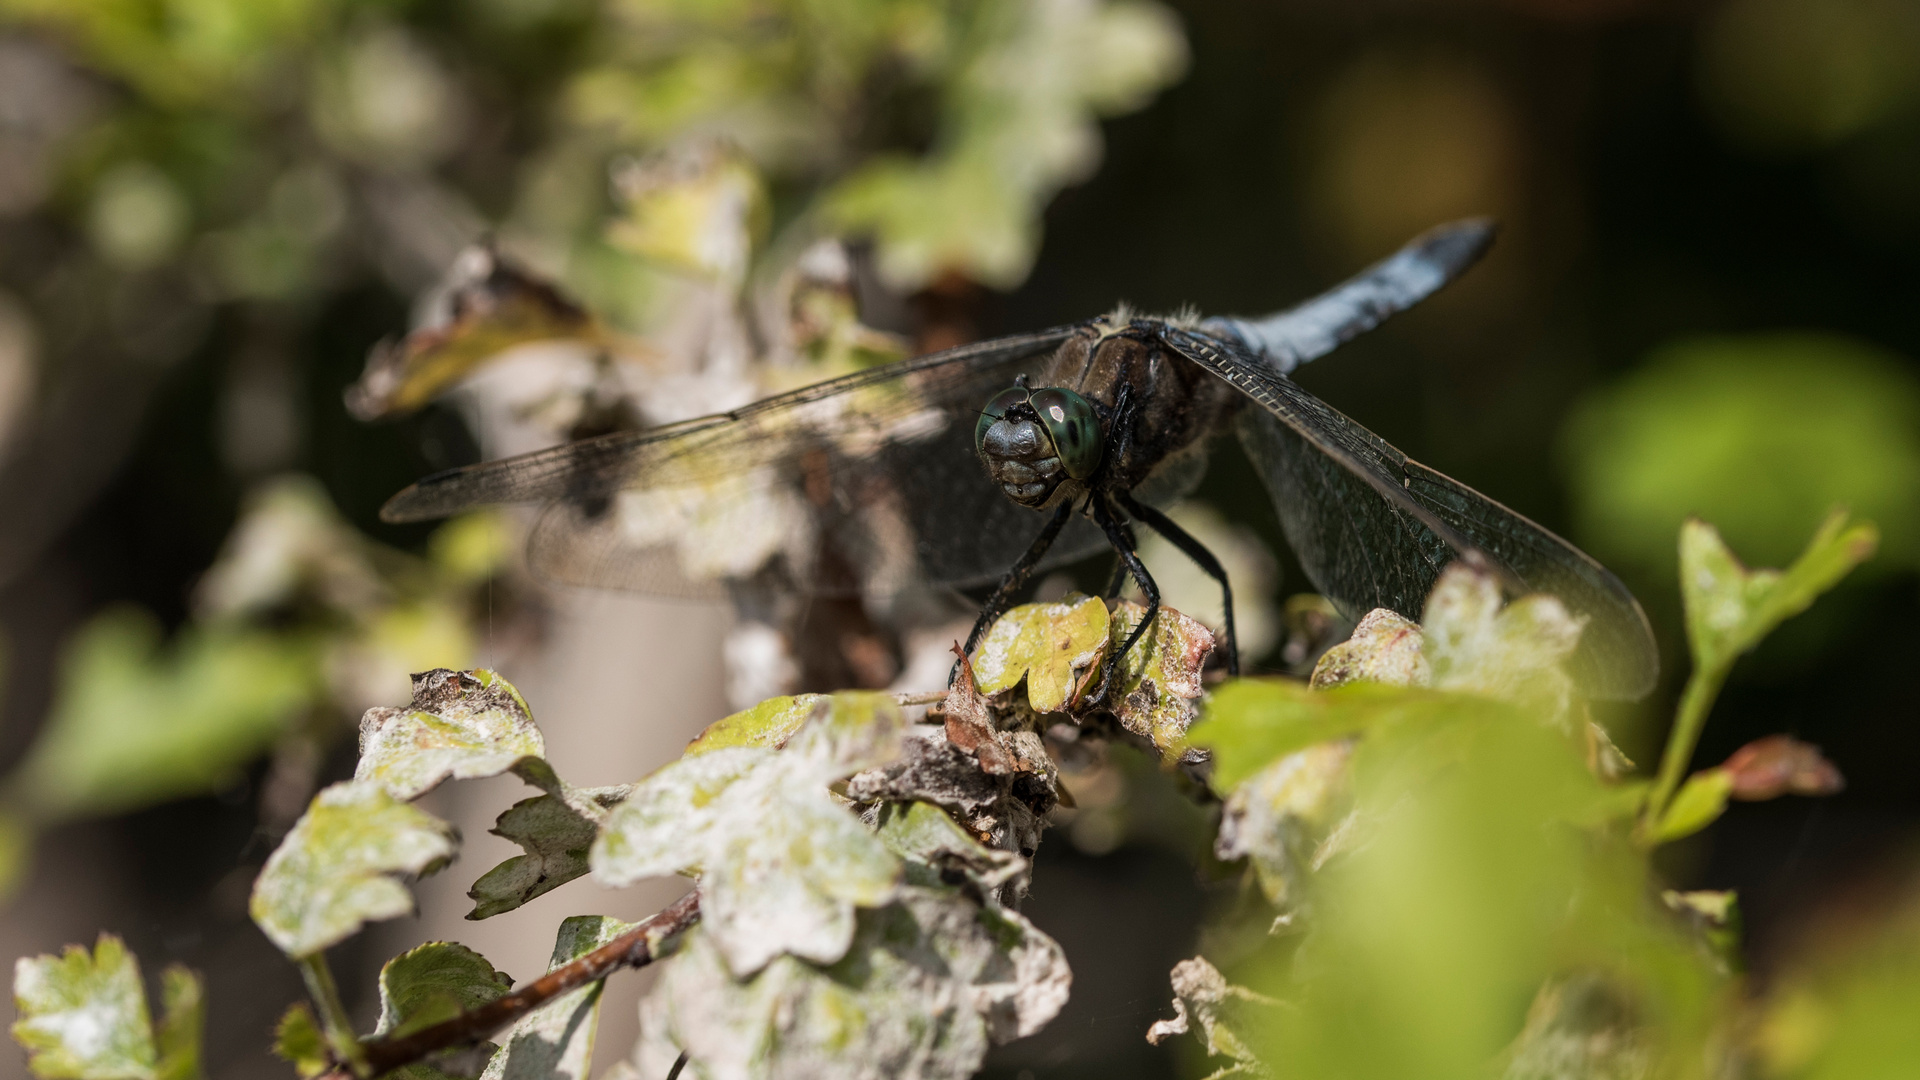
(699,208)
(462,725)
(490,307)
(1159,689)
(769,724)
(1045,644)
(335,871)
(83,1016)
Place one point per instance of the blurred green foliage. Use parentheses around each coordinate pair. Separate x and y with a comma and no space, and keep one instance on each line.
(1479,901)
(1761,435)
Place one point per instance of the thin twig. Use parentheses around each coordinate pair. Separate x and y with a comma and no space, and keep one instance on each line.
(635,948)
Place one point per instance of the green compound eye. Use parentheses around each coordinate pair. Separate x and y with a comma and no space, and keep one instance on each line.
(1074,427)
(997,408)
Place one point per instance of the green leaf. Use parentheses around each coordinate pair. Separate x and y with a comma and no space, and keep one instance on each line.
(84,1016)
(555,1041)
(1700,801)
(1730,608)
(769,724)
(1159,689)
(927,984)
(1044,644)
(434,982)
(16,851)
(556,838)
(134,724)
(299,1041)
(183,1021)
(462,725)
(335,870)
(1009,140)
(782,864)
(1758,433)
(1250,723)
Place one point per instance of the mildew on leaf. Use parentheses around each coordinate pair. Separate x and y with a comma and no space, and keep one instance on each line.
(336,870)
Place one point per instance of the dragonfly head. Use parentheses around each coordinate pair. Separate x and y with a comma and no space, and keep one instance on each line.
(1032,441)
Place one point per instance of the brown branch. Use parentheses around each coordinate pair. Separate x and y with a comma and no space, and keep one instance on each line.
(635,948)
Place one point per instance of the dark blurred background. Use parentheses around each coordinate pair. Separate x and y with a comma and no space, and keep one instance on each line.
(1705,299)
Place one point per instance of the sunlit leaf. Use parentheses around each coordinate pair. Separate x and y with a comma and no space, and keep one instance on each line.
(1159,678)
(769,724)
(336,870)
(1730,608)
(1045,644)
(555,1041)
(928,983)
(782,864)
(83,1016)
(1249,723)
(462,725)
(556,838)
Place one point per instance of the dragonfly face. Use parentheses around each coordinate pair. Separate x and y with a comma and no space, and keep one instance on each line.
(894,477)
(1035,442)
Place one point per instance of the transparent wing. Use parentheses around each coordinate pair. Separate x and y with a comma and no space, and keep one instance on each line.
(865,484)
(1374,529)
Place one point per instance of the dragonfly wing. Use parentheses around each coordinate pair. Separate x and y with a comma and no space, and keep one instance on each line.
(865,484)
(1375,529)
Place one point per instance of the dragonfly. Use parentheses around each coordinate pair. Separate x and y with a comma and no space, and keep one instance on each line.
(990,461)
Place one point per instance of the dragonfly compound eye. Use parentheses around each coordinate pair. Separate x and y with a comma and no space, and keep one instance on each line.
(1074,427)
(997,408)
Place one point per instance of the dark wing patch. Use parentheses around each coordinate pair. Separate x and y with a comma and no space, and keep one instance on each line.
(1375,529)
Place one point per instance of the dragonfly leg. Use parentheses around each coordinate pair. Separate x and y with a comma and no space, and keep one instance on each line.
(1204,559)
(1118,579)
(1122,540)
(1015,577)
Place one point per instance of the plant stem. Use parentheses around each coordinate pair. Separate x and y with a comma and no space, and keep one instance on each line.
(333,1014)
(635,948)
(1703,686)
